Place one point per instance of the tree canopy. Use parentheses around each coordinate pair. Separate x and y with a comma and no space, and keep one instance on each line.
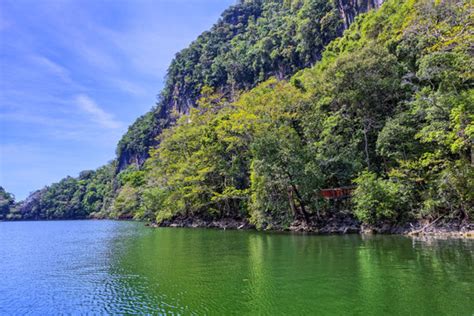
(389,109)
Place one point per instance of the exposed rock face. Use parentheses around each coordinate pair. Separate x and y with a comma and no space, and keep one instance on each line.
(180,96)
(349,9)
(129,157)
(142,135)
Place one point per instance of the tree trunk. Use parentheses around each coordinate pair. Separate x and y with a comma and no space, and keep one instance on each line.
(292,202)
(302,205)
(366,146)
(472,155)
(298,196)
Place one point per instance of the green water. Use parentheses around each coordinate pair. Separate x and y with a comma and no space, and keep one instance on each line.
(107,267)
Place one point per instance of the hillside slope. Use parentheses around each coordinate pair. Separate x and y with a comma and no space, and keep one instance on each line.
(388,109)
(252,41)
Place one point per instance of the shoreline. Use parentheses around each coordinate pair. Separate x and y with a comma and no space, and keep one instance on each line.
(339,226)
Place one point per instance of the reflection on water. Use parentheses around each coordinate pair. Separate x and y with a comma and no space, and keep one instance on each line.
(122,267)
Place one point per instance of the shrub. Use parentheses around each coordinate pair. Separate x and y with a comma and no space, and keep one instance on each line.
(377,199)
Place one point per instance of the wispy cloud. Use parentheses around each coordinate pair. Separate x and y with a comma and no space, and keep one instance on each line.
(97,57)
(76,72)
(129,86)
(96,113)
(52,67)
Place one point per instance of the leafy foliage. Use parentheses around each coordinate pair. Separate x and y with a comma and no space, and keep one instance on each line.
(7,204)
(377,200)
(90,194)
(389,108)
(252,41)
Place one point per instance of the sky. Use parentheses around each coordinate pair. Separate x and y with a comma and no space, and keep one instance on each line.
(74,74)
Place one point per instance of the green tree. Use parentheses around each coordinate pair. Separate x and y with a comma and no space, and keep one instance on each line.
(377,200)
(7,202)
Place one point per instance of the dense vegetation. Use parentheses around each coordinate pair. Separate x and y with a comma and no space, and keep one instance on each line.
(389,108)
(252,41)
(7,204)
(89,195)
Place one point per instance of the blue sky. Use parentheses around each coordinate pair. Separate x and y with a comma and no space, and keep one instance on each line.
(74,74)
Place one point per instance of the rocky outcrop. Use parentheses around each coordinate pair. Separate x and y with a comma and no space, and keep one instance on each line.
(183,87)
(198,222)
(349,9)
(337,223)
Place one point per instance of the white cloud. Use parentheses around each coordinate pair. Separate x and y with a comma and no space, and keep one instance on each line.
(97,114)
(52,67)
(95,56)
(129,87)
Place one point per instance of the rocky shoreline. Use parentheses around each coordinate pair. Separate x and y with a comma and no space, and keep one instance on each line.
(335,225)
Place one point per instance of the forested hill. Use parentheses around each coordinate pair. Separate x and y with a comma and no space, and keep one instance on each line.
(252,41)
(387,109)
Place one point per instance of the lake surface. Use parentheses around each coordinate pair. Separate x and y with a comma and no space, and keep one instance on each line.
(109,267)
